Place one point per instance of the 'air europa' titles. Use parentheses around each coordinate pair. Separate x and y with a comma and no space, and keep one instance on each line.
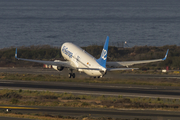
(67,52)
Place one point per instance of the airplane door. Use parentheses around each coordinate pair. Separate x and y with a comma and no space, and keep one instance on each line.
(76,60)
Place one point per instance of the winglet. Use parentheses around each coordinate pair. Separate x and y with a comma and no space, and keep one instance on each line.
(166,55)
(103,58)
(16,54)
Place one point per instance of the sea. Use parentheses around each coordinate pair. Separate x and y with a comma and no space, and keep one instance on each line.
(89,22)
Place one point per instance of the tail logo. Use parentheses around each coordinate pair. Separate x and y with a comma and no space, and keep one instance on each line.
(103,55)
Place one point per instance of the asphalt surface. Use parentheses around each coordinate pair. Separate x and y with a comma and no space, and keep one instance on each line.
(113,113)
(94,88)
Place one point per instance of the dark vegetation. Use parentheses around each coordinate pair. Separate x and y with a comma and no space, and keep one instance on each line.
(46,98)
(47,52)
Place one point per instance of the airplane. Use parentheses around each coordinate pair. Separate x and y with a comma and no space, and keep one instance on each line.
(78,59)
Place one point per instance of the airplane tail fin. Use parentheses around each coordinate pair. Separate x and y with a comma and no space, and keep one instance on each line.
(103,58)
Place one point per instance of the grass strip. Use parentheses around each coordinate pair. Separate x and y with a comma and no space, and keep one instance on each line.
(60,117)
(39,117)
(46,98)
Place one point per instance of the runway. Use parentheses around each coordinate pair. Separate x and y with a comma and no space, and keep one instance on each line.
(94,88)
(97,112)
(80,75)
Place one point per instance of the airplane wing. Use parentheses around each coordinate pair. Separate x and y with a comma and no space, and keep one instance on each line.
(56,62)
(128,63)
(114,69)
(109,69)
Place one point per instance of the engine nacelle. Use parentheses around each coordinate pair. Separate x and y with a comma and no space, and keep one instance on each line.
(58,68)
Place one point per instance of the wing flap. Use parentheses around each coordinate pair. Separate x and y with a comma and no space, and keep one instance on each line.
(115,69)
(128,63)
(59,63)
(89,69)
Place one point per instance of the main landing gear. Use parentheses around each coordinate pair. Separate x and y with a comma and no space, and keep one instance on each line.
(71,74)
(98,77)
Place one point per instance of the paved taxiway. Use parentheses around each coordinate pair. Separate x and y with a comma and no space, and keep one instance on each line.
(97,112)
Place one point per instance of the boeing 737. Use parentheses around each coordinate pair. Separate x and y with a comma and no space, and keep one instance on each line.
(78,59)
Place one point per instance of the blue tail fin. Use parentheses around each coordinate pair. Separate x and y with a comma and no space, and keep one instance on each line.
(103,58)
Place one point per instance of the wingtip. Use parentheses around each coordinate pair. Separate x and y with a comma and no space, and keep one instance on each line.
(16,53)
(166,55)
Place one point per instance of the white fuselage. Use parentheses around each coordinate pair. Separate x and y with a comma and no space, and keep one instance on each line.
(79,58)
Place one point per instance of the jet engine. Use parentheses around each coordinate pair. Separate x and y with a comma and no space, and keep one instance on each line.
(58,68)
